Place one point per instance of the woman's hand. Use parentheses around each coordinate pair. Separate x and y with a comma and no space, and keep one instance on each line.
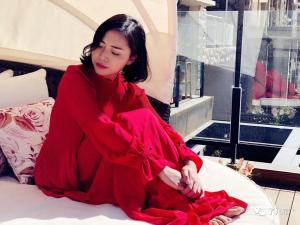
(191,179)
(172,178)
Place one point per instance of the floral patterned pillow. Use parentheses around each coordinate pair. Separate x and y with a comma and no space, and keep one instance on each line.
(3,163)
(22,133)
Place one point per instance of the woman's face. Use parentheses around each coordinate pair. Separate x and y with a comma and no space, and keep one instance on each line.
(112,55)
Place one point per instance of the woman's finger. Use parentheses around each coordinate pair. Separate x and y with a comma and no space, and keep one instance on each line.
(194,192)
(200,190)
(186,191)
(192,195)
(185,175)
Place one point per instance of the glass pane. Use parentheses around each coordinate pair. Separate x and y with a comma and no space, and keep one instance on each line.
(270,71)
(208,38)
(190,46)
(270,79)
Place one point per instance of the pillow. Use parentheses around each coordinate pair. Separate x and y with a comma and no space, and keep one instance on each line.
(258,90)
(3,163)
(274,81)
(6,74)
(24,89)
(291,90)
(260,73)
(22,133)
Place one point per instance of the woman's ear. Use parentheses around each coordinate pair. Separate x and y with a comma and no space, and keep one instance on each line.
(131,59)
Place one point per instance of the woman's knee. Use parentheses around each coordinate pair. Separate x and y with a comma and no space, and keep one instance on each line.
(135,115)
(136,119)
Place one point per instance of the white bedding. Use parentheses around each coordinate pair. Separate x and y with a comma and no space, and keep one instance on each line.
(26,204)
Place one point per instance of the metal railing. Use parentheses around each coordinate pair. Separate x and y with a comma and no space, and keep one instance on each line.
(187,82)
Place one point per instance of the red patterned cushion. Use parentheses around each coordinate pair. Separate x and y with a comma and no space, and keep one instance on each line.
(3,163)
(258,90)
(22,133)
(260,73)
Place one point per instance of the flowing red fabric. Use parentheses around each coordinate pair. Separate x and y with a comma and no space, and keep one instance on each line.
(106,144)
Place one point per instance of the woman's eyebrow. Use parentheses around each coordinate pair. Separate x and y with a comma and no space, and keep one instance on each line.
(113,46)
(117,47)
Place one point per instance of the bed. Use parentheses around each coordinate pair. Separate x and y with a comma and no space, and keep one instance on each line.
(25,204)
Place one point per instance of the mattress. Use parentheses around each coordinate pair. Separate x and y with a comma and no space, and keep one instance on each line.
(26,204)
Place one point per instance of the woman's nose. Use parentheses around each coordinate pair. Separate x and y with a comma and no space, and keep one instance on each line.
(103,55)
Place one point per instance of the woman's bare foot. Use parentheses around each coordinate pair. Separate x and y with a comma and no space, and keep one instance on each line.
(226,218)
(220,220)
(234,211)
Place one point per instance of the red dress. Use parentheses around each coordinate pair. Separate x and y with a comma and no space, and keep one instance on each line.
(106,144)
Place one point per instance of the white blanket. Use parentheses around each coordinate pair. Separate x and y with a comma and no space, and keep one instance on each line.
(26,204)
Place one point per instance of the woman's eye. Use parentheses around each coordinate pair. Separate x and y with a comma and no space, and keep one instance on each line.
(114,53)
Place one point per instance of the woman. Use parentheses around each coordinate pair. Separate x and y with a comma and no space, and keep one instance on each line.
(106,144)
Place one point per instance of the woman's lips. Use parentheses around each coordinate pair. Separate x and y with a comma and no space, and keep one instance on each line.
(100,66)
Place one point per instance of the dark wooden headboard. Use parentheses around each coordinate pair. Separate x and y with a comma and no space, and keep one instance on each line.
(53,77)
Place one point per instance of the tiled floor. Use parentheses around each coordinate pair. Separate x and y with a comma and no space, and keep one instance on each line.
(287,203)
(286,198)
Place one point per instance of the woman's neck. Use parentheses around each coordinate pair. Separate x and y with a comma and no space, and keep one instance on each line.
(110,77)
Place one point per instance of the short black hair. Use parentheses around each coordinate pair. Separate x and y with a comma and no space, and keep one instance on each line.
(133,31)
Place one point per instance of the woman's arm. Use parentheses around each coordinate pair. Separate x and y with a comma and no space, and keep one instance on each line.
(186,154)
(188,180)
(114,142)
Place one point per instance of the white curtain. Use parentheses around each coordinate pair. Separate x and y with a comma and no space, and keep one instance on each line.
(54,32)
